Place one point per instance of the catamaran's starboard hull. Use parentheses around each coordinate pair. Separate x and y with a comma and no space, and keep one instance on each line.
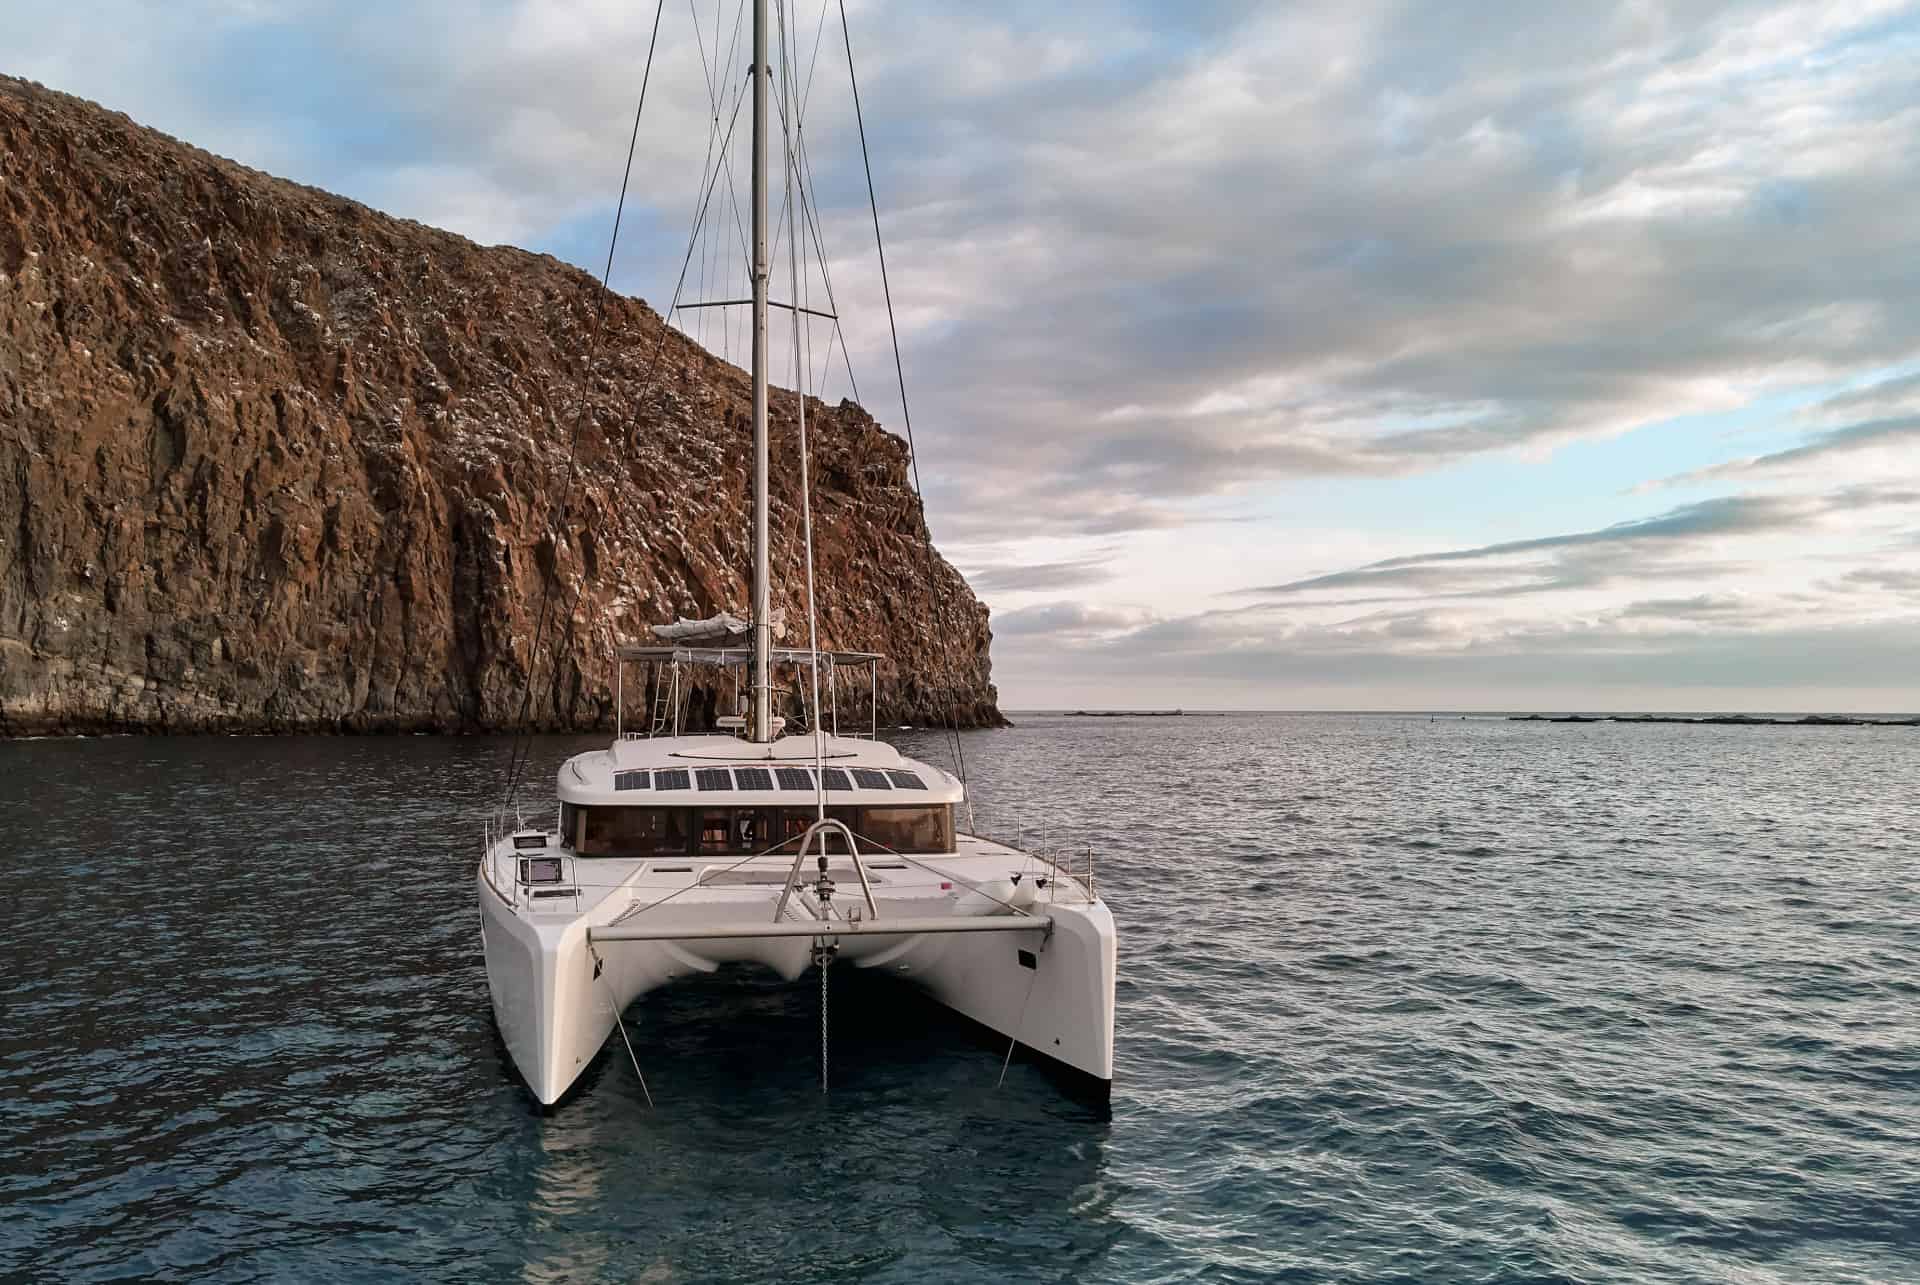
(1051,991)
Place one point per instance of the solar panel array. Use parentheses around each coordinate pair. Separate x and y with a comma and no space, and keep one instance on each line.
(759,778)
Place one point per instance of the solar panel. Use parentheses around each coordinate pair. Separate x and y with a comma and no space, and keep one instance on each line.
(794,778)
(753,778)
(836,778)
(630,780)
(906,780)
(672,779)
(869,779)
(714,778)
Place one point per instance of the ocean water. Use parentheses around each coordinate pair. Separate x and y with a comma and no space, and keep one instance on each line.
(1400,1000)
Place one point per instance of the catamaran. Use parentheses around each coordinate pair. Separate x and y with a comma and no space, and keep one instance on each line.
(673,852)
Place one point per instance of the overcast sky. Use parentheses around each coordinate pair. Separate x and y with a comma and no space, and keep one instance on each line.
(1310,355)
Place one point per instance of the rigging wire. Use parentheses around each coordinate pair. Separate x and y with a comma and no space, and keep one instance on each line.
(518,769)
(516,758)
(935,583)
(788,125)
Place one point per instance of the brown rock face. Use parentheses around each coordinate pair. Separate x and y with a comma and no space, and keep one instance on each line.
(272,461)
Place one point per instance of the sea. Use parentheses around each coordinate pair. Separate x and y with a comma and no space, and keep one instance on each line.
(1401,998)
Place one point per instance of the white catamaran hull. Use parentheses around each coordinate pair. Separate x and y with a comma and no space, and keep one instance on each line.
(558,980)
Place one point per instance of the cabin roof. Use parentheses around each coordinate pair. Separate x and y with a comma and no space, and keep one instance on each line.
(705,771)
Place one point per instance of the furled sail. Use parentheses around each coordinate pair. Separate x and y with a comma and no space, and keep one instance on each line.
(724,627)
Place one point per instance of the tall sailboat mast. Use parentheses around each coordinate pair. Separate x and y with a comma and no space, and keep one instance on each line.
(762,712)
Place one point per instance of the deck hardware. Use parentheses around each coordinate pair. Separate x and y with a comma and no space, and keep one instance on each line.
(821,829)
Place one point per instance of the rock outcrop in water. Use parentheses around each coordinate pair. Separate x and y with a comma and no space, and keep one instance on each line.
(270,460)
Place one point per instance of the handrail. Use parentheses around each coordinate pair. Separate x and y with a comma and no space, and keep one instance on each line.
(853,850)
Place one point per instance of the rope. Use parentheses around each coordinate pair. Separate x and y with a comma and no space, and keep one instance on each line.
(806,459)
(1018,1026)
(517,771)
(621,1023)
(517,756)
(934,583)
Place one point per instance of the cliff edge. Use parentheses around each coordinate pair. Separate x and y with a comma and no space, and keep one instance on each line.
(272,461)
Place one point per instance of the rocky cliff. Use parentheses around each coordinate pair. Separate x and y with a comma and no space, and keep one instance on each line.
(270,460)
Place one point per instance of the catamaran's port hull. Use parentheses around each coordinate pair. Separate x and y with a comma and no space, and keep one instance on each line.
(556,988)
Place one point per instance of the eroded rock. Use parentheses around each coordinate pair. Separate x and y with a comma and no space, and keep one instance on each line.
(270,460)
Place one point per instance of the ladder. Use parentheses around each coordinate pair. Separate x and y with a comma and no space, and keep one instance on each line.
(666,701)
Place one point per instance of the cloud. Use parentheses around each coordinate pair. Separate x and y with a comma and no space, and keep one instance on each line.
(1880,399)
(1216,247)
(1025,577)
(1892,579)
(1365,264)
(1667,546)
(1063,618)
(1704,651)
(1898,433)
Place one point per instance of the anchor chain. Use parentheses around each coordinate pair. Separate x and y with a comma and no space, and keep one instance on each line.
(823,953)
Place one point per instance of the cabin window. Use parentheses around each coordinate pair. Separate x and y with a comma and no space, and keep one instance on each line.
(631,832)
(716,831)
(921,829)
(679,832)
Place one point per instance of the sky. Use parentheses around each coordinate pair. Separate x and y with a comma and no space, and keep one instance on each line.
(1356,355)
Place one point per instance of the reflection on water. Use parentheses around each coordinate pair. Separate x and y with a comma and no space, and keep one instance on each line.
(1398,1000)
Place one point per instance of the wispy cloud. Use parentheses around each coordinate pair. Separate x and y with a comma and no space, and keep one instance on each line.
(1634,551)
(1417,272)
(1024,577)
(1899,434)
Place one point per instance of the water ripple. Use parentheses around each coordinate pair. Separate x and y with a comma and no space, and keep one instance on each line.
(1399,1001)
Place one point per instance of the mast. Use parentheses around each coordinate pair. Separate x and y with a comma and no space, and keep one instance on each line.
(762,701)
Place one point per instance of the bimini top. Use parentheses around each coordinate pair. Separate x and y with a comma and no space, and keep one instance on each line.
(692,771)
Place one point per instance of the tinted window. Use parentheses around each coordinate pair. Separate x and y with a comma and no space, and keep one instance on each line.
(651,832)
(631,832)
(922,829)
(716,830)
